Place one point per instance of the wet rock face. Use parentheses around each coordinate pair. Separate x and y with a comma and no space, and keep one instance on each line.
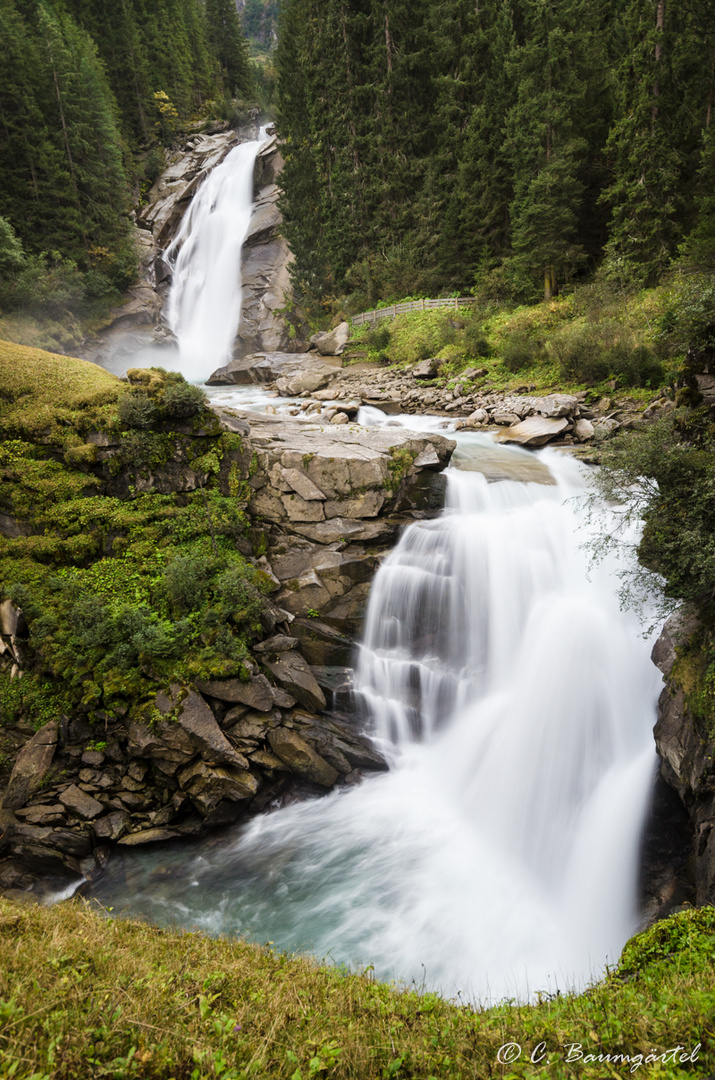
(686,751)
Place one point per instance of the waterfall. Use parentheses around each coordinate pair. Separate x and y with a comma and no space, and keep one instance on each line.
(204,303)
(498,856)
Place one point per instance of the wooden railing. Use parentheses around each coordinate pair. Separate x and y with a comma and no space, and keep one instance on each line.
(411,305)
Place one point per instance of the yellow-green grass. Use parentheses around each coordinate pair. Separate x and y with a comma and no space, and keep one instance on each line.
(483,337)
(46,396)
(82,995)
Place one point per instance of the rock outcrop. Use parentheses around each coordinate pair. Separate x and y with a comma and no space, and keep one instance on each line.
(326,503)
(685,744)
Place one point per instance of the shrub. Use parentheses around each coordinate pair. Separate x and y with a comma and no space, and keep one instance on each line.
(187,581)
(136,409)
(182,399)
(378,337)
(520,350)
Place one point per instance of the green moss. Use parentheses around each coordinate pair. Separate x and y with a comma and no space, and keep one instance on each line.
(399,465)
(44,397)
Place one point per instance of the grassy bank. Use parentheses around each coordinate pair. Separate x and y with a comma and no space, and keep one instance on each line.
(598,338)
(86,996)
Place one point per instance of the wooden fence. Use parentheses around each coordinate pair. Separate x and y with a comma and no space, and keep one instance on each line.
(378,314)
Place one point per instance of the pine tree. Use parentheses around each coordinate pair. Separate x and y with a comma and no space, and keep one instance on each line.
(552,132)
(645,147)
(229,45)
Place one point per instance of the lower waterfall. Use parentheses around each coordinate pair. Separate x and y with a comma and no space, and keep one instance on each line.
(204,303)
(515,700)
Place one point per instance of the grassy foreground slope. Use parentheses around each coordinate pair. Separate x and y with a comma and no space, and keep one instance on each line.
(82,995)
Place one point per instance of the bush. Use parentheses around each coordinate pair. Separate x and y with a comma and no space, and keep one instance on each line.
(591,353)
(378,337)
(476,345)
(182,399)
(520,350)
(187,581)
(136,409)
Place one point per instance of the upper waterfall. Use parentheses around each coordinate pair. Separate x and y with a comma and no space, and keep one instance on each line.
(204,304)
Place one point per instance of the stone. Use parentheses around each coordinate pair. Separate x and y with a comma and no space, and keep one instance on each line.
(302,484)
(556,405)
(276,644)
(340,418)
(426,369)
(301,758)
(10,618)
(504,418)
(257,693)
(583,430)
(678,628)
(80,803)
(31,767)
(333,342)
(111,826)
(42,815)
(535,431)
(293,673)
(208,786)
(311,376)
(266,760)
(93,758)
(197,721)
(148,836)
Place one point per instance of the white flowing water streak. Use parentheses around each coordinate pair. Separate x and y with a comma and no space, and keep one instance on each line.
(498,857)
(204,303)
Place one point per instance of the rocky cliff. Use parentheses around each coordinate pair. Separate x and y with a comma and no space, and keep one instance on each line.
(685,741)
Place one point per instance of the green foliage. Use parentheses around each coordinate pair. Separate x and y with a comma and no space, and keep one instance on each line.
(182,399)
(11,254)
(520,349)
(136,409)
(593,353)
(120,594)
(31,698)
(665,472)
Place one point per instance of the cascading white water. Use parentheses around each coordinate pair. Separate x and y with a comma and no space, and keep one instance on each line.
(498,856)
(204,303)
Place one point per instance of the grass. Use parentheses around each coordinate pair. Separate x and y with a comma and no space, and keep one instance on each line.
(44,395)
(82,995)
(549,346)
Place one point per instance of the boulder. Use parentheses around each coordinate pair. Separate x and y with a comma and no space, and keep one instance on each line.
(11,618)
(301,758)
(111,826)
(208,786)
(196,720)
(535,431)
(556,405)
(312,376)
(276,644)
(257,368)
(80,803)
(293,673)
(257,693)
(148,836)
(31,767)
(333,342)
(426,369)
(583,430)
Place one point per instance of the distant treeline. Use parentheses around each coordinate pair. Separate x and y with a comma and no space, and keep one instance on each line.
(515,144)
(87,87)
